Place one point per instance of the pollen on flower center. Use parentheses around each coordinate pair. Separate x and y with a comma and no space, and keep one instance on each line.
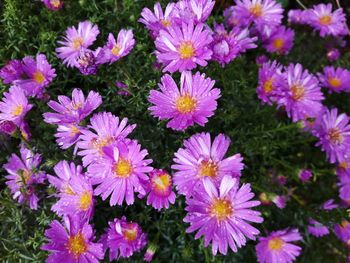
(77,43)
(275,243)
(278,43)
(76,245)
(268,86)
(325,20)
(38,77)
(123,168)
(130,233)
(17,110)
(85,201)
(335,136)
(186,50)
(297,92)
(208,168)
(334,82)
(186,104)
(161,182)
(116,49)
(165,22)
(256,10)
(221,209)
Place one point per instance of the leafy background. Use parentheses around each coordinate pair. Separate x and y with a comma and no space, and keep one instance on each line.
(266,138)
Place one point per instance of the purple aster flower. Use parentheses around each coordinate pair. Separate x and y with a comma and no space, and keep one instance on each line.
(151,250)
(228,45)
(75,40)
(222,214)
(120,172)
(280,201)
(183,47)
(195,102)
(64,172)
(14,106)
(116,49)
(343,168)
(261,59)
(7,127)
(157,20)
(278,247)
(12,71)
(160,192)
(107,130)
(270,76)
(72,110)
(333,133)
(342,231)
(25,132)
(123,239)
(23,176)
(77,198)
(265,14)
(231,17)
(316,229)
(200,159)
(329,205)
(280,41)
(68,135)
(281,180)
(305,175)
(72,242)
(333,54)
(297,16)
(39,74)
(53,4)
(197,10)
(86,62)
(344,188)
(322,19)
(123,89)
(302,95)
(335,79)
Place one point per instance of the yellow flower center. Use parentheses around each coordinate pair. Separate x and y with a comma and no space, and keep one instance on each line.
(100,143)
(17,110)
(278,43)
(343,165)
(76,245)
(186,50)
(297,92)
(74,130)
(344,223)
(165,22)
(116,49)
(161,182)
(275,243)
(186,104)
(221,209)
(335,136)
(123,168)
(38,77)
(68,190)
(268,86)
(256,10)
(55,3)
(85,201)
(325,20)
(77,43)
(208,168)
(76,106)
(130,233)
(334,82)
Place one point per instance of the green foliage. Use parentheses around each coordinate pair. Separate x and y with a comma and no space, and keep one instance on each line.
(262,134)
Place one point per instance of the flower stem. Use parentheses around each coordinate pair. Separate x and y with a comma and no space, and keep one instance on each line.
(301,4)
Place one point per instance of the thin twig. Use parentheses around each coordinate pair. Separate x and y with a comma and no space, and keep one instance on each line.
(301,4)
(338,4)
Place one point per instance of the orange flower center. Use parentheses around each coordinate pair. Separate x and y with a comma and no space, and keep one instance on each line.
(38,77)
(297,92)
(186,104)
(343,165)
(17,110)
(344,223)
(256,10)
(221,209)
(85,201)
(275,243)
(77,42)
(325,20)
(278,43)
(161,182)
(334,82)
(123,168)
(165,22)
(208,168)
(76,245)
(335,136)
(186,50)
(268,86)
(116,49)
(130,233)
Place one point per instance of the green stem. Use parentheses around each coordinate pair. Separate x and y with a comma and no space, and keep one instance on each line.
(301,4)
